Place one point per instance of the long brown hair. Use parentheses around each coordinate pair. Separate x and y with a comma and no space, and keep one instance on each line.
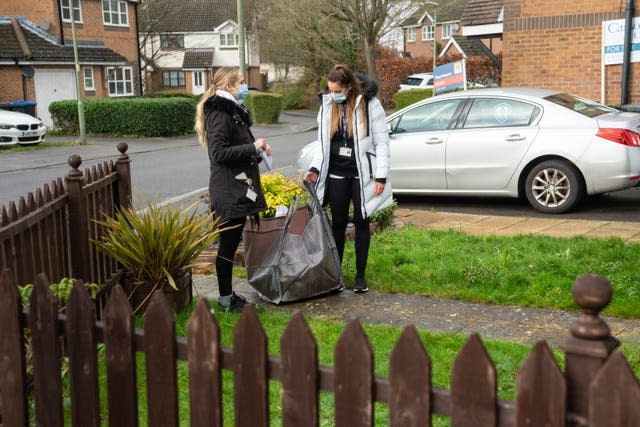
(344,77)
(222,77)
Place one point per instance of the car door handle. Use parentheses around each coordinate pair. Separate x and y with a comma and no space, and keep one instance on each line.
(515,137)
(432,141)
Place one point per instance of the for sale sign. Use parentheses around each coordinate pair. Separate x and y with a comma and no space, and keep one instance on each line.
(613,41)
(449,76)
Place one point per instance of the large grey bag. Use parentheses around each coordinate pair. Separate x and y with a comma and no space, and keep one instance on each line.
(293,257)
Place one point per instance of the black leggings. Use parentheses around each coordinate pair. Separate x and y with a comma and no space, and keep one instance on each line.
(229,241)
(341,192)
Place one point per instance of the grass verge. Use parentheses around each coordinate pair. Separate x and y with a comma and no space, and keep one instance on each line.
(526,270)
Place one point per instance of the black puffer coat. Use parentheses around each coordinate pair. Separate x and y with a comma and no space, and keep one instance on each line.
(233,158)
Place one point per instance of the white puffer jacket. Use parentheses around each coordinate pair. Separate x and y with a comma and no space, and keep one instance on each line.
(372,153)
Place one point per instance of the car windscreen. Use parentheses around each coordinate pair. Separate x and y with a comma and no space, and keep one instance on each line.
(413,81)
(583,106)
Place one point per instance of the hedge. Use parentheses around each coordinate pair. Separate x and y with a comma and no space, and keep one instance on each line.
(264,107)
(132,116)
(408,97)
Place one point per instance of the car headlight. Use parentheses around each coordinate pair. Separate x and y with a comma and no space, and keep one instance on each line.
(6,126)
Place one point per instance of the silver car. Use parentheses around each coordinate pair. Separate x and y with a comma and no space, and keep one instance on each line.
(551,147)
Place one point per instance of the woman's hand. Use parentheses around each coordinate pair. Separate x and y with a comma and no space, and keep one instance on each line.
(261,144)
(310,177)
(379,188)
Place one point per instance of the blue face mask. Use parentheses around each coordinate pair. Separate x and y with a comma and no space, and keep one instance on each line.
(338,98)
(243,92)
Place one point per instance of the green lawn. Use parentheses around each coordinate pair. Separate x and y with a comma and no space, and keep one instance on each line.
(528,270)
(442,349)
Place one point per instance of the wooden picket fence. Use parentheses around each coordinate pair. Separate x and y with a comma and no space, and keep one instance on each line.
(50,232)
(597,389)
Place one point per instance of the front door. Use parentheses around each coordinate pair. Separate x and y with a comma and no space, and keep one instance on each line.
(197,82)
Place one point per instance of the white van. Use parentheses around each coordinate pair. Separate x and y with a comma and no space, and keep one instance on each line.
(418,81)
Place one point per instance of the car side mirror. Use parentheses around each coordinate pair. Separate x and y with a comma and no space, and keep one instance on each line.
(389,130)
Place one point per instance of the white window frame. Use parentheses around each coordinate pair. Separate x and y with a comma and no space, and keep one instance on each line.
(224,39)
(112,80)
(122,13)
(88,78)
(411,34)
(448,30)
(428,33)
(65,5)
(174,75)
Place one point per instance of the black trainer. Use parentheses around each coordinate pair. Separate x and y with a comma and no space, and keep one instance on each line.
(236,303)
(360,286)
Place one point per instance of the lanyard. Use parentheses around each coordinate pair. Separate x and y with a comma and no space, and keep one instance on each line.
(345,126)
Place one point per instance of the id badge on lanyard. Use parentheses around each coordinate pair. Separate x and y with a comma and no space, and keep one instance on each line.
(345,151)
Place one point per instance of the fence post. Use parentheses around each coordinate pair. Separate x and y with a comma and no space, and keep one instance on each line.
(78,227)
(589,345)
(123,166)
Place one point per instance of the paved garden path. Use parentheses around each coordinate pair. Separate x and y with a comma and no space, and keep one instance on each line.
(511,323)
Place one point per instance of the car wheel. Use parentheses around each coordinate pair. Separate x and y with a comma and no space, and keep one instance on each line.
(553,187)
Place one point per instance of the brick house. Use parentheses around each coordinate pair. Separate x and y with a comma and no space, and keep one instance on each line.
(181,51)
(419,32)
(36,53)
(559,46)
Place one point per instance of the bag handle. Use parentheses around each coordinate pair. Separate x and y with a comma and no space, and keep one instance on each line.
(315,202)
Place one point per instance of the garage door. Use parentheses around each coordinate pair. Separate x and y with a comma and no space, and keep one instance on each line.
(53,85)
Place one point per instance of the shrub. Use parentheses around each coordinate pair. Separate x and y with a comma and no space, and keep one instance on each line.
(408,97)
(134,116)
(264,107)
(160,243)
(278,191)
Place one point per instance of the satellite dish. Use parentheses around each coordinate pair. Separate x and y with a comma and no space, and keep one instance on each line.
(44,24)
(28,70)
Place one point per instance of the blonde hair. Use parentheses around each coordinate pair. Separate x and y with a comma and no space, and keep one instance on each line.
(345,78)
(222,77)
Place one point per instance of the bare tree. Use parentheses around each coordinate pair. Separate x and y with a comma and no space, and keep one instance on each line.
(371,20)
(153,15)
(298,33)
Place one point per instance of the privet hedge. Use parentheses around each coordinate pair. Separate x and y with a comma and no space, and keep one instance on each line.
(408,97)
(134,116)
(264,107)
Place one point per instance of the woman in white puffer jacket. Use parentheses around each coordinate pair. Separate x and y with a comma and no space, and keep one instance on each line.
(352,162)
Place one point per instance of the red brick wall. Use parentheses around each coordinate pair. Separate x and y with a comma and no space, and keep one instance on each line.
(11,88)
(119,39)
(559,47)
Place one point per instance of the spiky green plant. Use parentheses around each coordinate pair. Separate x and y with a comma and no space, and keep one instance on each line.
(158,243)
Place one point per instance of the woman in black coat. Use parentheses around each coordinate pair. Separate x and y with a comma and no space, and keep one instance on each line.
(223,125)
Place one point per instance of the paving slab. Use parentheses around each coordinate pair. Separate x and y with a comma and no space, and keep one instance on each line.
(524,325)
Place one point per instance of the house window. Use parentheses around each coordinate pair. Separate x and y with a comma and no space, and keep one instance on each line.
(65,7)
(88,79)
(172,41)
(427,32)
(114,12)
(173,79)
(411,34)
(120,81)
(229,40)
(448,30)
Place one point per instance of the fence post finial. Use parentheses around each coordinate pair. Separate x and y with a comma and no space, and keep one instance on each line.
(123,166)
(78,222)
(590,343)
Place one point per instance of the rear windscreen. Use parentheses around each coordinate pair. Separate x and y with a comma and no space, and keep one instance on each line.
(583,106)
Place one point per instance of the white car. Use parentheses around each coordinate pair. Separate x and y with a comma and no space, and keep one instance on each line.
(19,128)
(418,81)
(549,147)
